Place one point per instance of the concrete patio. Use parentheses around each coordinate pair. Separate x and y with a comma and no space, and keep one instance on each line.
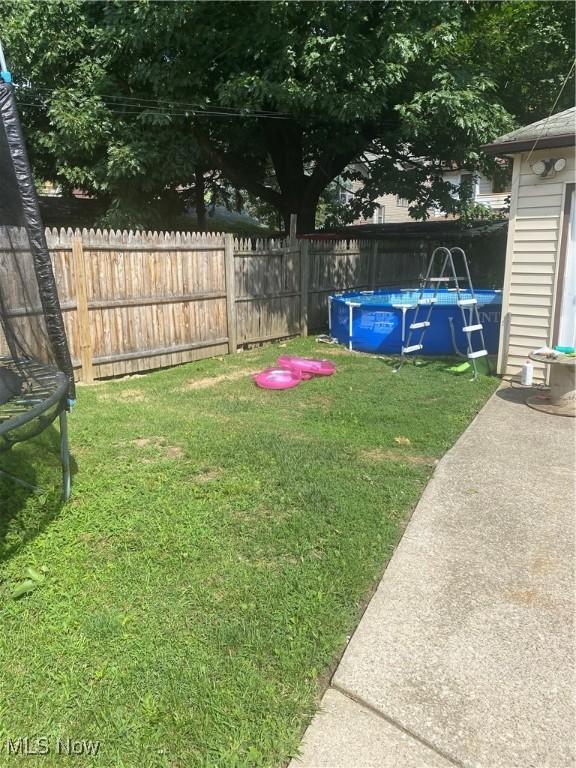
(465,655)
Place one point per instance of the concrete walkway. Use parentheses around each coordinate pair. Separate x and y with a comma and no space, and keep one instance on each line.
(465,655)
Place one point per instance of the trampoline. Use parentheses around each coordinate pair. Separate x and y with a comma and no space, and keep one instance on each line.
(36,374)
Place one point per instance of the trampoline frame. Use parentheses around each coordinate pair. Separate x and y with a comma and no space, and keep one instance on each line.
(51,392)
(64,461)
(36,390)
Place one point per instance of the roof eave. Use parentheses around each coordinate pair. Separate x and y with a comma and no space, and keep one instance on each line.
(524,145)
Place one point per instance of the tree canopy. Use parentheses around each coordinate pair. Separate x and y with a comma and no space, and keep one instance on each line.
(132,102)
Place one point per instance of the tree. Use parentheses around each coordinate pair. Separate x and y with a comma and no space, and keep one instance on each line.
(127,100)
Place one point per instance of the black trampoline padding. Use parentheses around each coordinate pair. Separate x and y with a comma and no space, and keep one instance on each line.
(31,323)
(36,374)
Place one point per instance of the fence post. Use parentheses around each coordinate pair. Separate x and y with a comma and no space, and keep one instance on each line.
(82,309)
(304,275)
(373,260)
(230,291)
(293,227)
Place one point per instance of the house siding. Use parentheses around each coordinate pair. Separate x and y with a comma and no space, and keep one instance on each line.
(532,259)
(393,213)
(398,214)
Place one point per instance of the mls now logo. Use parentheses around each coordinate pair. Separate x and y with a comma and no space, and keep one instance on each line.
(41,745)
(27,746)
(77,747)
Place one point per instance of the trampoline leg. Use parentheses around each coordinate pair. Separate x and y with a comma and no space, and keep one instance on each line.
(20,482)
(65,456)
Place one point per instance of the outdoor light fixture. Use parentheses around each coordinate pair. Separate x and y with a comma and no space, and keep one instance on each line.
(549,167)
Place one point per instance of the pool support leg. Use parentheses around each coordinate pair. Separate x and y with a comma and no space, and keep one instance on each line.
(351,305)
(403,308)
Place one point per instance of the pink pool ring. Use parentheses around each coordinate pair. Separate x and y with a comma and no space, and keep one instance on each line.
(306,366)
(277,378)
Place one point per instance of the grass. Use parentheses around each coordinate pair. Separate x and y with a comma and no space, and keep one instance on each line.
(215,555)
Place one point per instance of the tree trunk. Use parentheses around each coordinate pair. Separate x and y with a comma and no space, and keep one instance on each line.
(200,203)
(306,213)
(299,191)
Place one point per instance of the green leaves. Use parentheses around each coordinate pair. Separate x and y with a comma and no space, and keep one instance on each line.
(23,588)
(110,92)
(32,581)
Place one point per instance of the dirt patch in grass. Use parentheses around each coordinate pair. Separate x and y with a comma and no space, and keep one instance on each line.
(211,381)
(97,543)
(208,475)
(159,443)
(328,350)
(133,395)
(376,455)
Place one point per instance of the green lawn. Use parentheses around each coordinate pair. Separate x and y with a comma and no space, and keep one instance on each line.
(215,555)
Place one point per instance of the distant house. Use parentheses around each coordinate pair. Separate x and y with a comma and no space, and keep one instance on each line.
(539,296)
(392,209)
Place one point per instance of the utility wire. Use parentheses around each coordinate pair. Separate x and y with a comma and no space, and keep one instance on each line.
(155,106)
(120,98)
(551,111)
(148,111)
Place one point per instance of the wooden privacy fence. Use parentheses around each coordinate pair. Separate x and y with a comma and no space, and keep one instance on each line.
(132,301)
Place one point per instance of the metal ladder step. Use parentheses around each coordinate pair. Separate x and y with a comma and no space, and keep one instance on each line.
(466,302)
(444,279)
(412,348)
(470,328)
(480,353)
(423,324)
(427,302)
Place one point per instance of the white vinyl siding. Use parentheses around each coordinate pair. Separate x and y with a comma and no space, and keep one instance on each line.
(532,259)
(484,185)
(485,195)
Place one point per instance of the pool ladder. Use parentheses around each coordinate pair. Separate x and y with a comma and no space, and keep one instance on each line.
(425,304)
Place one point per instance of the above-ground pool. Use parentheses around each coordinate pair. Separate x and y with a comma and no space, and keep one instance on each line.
(378,321)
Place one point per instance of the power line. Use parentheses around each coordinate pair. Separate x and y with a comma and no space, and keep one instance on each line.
(170,101)
(196,110)
(551,111)
(148,111)
(121,99)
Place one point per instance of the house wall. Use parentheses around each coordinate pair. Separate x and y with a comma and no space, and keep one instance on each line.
(397,214)
(483,193)
(532,257)
(485,196)
(393,213)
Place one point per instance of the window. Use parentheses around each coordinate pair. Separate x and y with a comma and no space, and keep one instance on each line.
(402,202)
(471,183)
(378,215)
(500,184)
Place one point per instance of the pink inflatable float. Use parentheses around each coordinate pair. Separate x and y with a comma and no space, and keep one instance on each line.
(306,366)
(277,378)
